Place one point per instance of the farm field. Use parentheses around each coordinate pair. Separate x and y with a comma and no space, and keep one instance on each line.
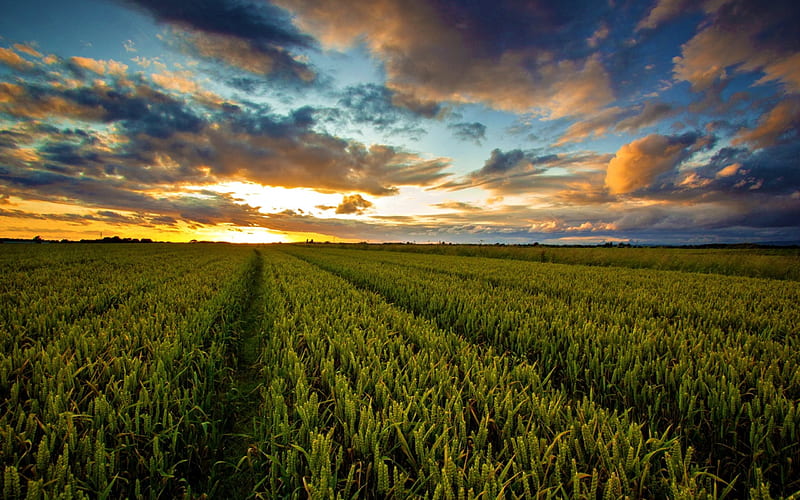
(291,371)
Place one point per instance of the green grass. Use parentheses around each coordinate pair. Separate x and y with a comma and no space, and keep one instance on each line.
(775,263)
(293,371)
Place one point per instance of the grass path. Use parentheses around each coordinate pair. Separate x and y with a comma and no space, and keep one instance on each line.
(240,399)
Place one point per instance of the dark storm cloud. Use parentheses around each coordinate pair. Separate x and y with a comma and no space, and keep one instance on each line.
(259,22)
(473,132)
(778,166)
(70,154)
(638,74)
(564,178)
(651,113)
(196,208)
(502,26)
(616,119)
(513,56)
(258,121)
(751,181)
(742,36)
(106,216)
(770,171)
(781,124)
(501,162)
(140,108)
(379,108)
(161,139)
(638,164)
(254,36)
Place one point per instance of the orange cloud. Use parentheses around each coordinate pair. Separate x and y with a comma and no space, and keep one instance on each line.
(181,81)
(783,118)
(290,159)
(435,62)
(15,101)
(11,58)
(665,10)
(243,54)
(616,119)
(695,181)
(786,70)
(26,155)
(596,125)
(353,204)
(176,81)
(599,35)
(100,67)
(729,171)
(9,92)
(638,163)
(27,49)
(733,42)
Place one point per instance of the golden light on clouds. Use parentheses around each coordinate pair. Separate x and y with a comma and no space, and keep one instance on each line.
(395,120)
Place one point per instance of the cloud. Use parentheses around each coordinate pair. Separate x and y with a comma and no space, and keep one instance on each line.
(100,67)
(666,10)
(242,54)
(182,82)
(598,36)
(781,123)
(729,170)
(731,176)
(376,106)
(501,56)
(773,168)
(198,208)
(353,204)
(560,178)
(501,162)
(109,217)
(474,132)
(651,113)
(186,82)
(616,119)
(27,49)
(159,139)
(459,206)
(35,102)
(597,124)
(256,37)
(12,59)
(638,163)
(743,36)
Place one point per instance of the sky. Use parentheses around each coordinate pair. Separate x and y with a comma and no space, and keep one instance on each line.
(471,121)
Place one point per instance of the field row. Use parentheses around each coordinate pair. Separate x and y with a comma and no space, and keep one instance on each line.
(773,263)
(284,371)
(110,367)
(674,349)
(366,398)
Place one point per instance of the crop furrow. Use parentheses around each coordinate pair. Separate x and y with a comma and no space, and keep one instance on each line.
(363,397)
(699,381)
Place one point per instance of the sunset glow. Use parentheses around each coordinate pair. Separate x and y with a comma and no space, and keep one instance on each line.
(661,121)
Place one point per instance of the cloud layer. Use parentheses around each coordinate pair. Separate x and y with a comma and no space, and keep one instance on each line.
(475,58)
(637,164)
(665,120)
